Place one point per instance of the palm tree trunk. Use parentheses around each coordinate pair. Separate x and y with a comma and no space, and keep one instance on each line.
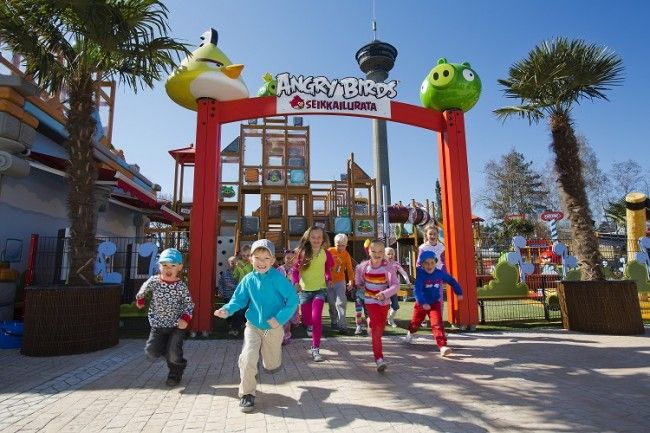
(574,196)
(82,174)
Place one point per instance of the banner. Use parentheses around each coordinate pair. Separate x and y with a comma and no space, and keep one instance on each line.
(353,96)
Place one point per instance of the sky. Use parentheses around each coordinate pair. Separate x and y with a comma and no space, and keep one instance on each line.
(322,37)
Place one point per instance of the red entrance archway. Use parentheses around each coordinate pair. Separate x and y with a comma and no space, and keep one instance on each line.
(454,180)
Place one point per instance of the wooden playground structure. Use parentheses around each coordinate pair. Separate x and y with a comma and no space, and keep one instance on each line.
(267,191)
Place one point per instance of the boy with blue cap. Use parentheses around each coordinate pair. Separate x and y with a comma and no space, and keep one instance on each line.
(170,312)
(272,301)
(427,291)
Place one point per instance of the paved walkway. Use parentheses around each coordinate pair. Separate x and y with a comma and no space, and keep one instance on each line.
(537,381)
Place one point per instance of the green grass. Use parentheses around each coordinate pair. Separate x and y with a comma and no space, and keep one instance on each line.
(138,327)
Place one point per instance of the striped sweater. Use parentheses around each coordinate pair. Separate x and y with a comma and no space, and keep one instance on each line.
(376,280)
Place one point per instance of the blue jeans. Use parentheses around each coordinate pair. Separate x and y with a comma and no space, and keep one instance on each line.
(337,303)
(394,304)
(308,296)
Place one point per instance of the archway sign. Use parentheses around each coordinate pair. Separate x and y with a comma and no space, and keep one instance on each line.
(221,99)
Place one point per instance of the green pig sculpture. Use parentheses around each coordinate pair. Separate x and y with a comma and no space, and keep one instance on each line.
(270,86)
(450,85)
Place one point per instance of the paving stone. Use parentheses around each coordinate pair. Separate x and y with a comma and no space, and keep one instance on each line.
(535,381)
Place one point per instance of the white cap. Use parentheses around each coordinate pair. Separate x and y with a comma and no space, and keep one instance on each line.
(264,243)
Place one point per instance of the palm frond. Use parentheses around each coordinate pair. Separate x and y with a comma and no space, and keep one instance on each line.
(559,73)
(532,113)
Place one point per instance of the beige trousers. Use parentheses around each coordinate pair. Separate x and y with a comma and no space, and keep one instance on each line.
(256,341)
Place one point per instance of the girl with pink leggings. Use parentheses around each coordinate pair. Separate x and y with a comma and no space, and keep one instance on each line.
(311,276)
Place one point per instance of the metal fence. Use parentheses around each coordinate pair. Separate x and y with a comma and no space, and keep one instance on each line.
(52,259)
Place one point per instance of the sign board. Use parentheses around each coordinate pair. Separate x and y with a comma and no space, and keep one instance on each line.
(514,216)
(353,96)
(551,216)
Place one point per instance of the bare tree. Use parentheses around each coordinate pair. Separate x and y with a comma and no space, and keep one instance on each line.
(627,176)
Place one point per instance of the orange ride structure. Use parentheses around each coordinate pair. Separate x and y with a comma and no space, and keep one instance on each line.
(217,102)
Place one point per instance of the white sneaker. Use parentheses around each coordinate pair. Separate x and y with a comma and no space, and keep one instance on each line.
(391,320)
(408,338)
(424,324)
(309,331)
(381,365)
(315,354)
(359,330)
(445,351)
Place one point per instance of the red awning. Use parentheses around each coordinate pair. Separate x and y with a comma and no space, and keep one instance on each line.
(170,215)
(148,198)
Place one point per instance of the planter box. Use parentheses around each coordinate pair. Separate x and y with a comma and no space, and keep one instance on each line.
(601,307)
(65,320)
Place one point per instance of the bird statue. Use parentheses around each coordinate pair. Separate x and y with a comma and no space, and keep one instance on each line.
(206,73)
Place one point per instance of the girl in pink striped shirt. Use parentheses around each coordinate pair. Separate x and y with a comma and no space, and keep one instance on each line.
(379,281)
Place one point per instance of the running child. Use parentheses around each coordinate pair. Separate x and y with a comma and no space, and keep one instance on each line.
(271,301)
(311,275)
(428,300)
(379,281)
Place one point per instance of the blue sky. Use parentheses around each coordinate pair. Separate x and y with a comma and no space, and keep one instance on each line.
(322,37)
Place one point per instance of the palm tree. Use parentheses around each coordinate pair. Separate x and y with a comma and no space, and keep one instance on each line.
(554,77)
(72,46)
(616,213)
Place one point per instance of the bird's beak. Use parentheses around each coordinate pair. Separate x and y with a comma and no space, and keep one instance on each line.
(232,71)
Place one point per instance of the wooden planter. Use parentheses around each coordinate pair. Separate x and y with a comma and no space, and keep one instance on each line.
(602,307)
(65,320)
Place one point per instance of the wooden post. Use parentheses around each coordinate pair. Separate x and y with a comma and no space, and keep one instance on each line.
(205,213)
(459,242)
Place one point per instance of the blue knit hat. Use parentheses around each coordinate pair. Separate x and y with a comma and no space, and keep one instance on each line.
(428,255)
(171,255)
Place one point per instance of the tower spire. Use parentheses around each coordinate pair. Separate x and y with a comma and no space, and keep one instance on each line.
(374,22)
(375,60)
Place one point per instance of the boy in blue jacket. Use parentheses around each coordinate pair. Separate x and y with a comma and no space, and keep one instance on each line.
(271,301)
(427,290)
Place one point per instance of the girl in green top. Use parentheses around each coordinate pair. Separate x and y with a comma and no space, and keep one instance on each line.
(311,275)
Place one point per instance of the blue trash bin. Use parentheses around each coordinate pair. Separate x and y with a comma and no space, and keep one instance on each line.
(11,334)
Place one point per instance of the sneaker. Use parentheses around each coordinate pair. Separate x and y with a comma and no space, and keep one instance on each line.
(408,338)
(309,331)
(445,351)
(424,324)
(381,365)
(359,330)
(315,354)
(391,320)
(247,403)
(171,381)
